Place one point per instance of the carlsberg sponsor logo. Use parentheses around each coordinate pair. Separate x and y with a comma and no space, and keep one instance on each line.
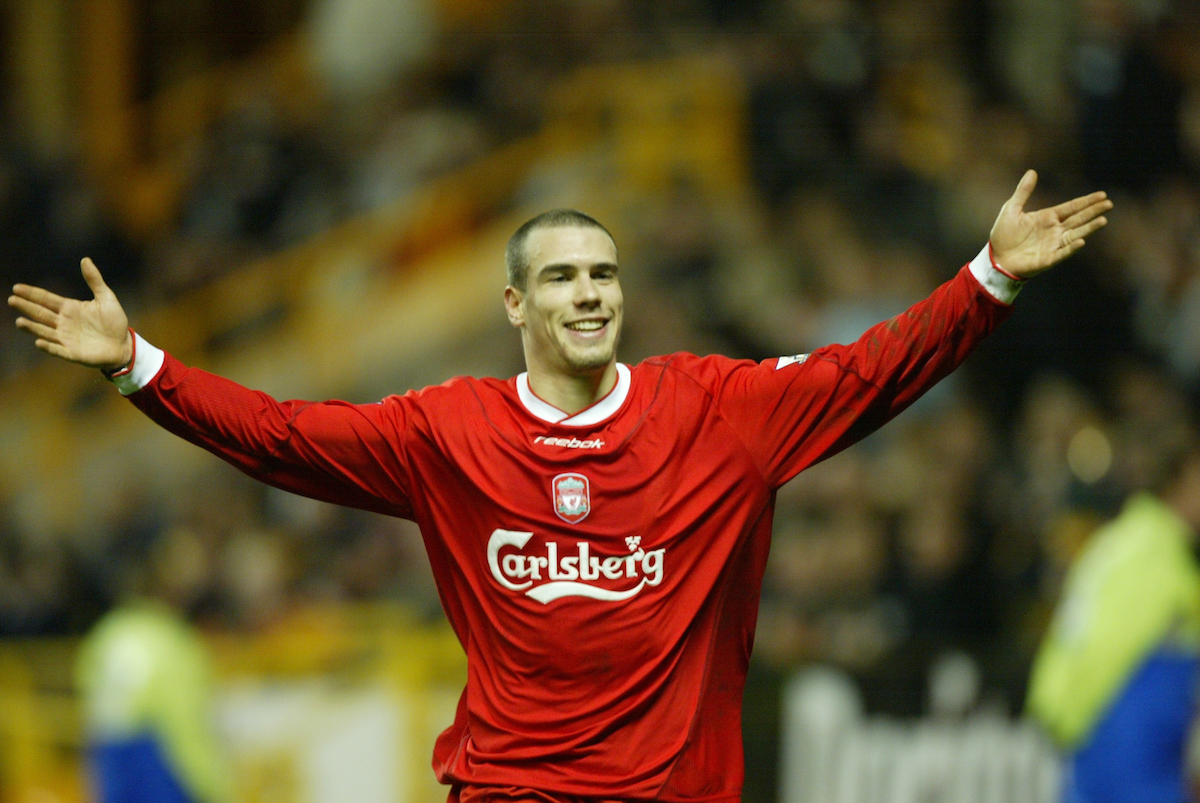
(548,576)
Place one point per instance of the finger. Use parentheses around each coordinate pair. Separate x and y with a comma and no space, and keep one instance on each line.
(38,330)
(1071,207)
(1068,249)
(52,348)
(1088,228)
(1024,190)
(37,295)
(1084,215)
(91,275)
(33,311)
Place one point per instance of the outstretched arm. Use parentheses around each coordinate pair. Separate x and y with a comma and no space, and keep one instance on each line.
(343,453)
(799,410)
(904,357)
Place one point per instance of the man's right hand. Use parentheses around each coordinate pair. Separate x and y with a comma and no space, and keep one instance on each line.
(93,333)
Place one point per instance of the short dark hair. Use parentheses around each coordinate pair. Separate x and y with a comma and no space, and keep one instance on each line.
(516,260)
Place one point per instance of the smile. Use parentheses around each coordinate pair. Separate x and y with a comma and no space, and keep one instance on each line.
(586,326)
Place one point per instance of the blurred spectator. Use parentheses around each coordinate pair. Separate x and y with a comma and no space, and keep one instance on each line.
(257,187)
(1128,97)
(361,46)
(1115,679)
(145,680)
(413,148)
(1158,246)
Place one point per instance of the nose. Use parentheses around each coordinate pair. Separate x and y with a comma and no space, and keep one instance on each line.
(586,292)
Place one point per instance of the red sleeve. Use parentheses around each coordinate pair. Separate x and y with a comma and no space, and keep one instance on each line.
(348,454)
(792,412)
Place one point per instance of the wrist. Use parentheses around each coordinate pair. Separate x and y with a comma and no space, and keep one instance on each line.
(996,264)
(129,354)
(145,363)
(999,284)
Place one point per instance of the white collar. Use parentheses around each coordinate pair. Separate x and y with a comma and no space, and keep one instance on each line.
(589,415)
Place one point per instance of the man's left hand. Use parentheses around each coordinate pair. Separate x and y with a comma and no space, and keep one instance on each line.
(1026,243)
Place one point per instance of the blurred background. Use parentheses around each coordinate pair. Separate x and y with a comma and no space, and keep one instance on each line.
(312,197)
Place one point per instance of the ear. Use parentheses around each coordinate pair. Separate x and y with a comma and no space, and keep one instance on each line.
(513,305)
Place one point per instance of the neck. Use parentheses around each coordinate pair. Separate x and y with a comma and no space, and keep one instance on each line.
(1184,496)
(569,392)
(1188,508)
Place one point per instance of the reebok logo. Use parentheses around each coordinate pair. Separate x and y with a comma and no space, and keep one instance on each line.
(547,577)
(570,443)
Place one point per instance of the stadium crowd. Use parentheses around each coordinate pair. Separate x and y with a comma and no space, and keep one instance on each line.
(881,137)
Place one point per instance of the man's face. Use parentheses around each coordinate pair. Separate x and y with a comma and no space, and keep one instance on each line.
(571,308)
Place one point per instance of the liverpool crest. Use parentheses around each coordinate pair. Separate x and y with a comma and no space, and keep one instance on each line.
(572,497)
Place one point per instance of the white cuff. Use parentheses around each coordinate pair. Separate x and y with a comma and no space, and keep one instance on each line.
(147,362)
(1001,287)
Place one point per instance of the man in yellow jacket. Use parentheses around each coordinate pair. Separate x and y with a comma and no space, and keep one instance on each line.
(145,679)
(1115,680)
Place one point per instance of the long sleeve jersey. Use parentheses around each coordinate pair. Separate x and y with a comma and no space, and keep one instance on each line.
(602,569)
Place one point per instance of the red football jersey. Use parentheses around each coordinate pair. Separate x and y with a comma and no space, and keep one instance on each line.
(602,570)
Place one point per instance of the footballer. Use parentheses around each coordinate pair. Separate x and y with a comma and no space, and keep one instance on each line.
(598,531)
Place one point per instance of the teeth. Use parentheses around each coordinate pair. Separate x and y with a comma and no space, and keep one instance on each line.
(586,326)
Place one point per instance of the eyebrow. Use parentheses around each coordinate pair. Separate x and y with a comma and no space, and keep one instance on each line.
(559,267)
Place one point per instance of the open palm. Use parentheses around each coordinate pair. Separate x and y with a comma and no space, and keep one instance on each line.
(93,333)
(1027,243)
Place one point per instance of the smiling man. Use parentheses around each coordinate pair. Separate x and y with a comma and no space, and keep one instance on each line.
(569,309)
(598,532)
